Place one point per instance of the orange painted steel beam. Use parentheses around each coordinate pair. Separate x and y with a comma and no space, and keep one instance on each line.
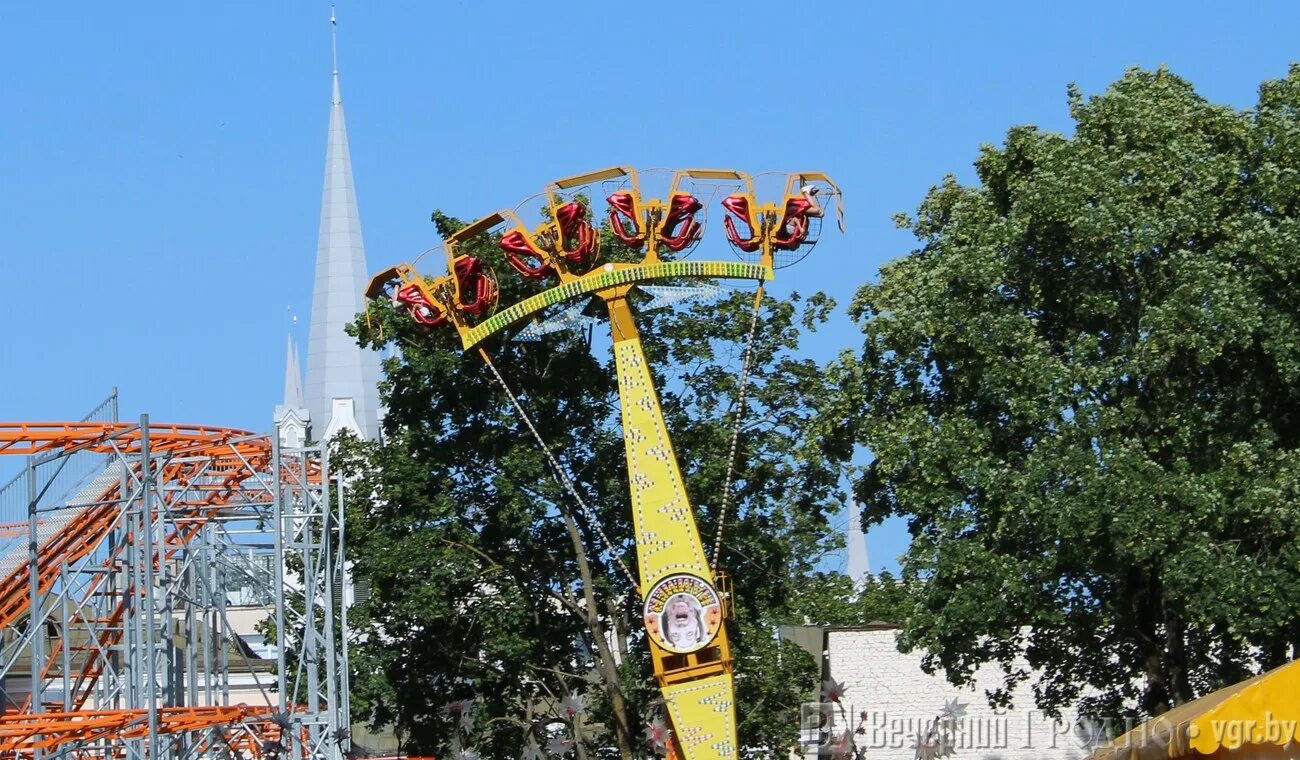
(24,732)
(24,438)
(228,458)
(223,458)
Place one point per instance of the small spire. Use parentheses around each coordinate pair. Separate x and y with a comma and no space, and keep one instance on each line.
(859,568)
(334,53)
(292,377)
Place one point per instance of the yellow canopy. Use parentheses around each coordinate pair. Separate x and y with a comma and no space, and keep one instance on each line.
(1262,711)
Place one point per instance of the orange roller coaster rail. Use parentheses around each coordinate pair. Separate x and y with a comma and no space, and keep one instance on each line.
(24,732)
(25,438)
(222,458)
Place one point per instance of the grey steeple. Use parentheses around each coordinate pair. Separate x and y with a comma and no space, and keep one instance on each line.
(342,378)
(292,377)
(292,418)
(858,569)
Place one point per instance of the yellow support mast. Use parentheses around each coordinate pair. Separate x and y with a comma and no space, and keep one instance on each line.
(682,607)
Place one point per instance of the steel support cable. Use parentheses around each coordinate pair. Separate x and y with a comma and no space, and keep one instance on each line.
(735,429)
(559,471)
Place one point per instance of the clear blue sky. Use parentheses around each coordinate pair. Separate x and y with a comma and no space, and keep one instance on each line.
(161,163)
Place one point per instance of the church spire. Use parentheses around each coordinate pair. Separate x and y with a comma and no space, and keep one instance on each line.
(292,377)
(334,55)
(342,378)
(291,417)
(858,570)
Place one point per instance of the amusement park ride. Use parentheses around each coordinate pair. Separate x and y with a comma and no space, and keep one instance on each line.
(685,599)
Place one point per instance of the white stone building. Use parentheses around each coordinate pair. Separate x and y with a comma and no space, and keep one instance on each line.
(901,701)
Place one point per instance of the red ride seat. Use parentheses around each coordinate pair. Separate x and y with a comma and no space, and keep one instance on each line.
(422,310)
(622,206)
(526,259)
(794,224)
(738,205)
(577,236)
(477,291)
(680,229)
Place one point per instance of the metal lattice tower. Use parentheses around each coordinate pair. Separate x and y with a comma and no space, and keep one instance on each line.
(144,552)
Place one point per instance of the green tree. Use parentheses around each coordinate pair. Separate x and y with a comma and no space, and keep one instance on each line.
(491,584)
(1081,391)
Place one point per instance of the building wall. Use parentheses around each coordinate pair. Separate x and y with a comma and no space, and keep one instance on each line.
(901,700)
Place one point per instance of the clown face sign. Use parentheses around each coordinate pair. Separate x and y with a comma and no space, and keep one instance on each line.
(682,613)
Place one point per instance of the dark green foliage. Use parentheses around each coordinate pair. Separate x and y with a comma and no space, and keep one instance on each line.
(1081,390)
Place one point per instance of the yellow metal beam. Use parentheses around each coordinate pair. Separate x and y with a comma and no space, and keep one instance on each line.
(585,179)
(719,174)
(704,713)
(477,227)
(666,537)
(603,278)
(683,612)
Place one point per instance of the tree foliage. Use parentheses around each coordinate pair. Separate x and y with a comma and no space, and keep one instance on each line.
(479,591)
(1081,391)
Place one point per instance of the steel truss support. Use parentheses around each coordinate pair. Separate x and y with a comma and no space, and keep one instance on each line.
(126,597)
(308,606)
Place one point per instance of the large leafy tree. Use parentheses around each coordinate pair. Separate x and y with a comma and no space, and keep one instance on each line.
(489,581)
(1082,392)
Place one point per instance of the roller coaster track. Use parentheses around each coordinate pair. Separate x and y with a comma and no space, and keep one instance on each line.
(208,465)
(24,732)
